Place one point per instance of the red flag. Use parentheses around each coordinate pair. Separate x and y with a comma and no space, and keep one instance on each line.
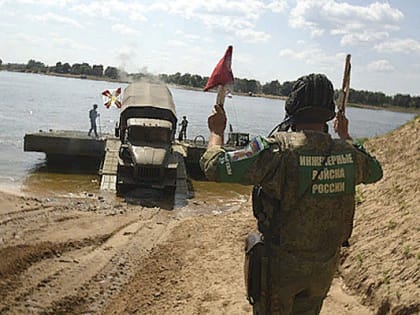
(222,74)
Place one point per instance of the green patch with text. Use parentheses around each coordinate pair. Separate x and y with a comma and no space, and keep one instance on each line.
(335,177)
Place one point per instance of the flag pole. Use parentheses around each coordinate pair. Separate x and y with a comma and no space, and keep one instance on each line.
(345,89)
(100,129)
(220,98)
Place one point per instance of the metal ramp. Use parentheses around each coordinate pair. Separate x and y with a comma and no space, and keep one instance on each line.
(108,170)
(181,178)
(182,191)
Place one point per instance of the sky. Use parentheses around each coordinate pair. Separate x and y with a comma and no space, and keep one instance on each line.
(272,40)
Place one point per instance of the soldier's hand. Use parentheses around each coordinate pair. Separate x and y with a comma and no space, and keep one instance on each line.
(341,126)
(217,120)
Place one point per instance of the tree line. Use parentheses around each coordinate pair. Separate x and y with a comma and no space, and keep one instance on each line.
(248,86)
(80,69)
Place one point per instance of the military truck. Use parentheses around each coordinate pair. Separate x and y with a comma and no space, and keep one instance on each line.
(146,129)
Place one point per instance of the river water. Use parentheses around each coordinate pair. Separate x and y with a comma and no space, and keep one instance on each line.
(31,102)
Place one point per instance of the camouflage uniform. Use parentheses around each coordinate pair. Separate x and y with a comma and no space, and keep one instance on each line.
(313,208)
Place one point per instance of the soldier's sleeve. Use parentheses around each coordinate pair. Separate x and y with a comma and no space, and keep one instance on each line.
(233,166)
(369,169)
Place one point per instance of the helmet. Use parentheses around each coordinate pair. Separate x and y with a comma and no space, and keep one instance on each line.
(311,100)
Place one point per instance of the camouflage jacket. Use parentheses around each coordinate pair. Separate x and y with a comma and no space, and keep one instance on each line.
(311,176)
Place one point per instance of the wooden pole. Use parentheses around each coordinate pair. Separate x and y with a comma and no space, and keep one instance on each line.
(345,89)
(220,98)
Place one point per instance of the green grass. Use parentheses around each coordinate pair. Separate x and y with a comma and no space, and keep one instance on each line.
(359,198)
(407,251)
(386,277)
(362,140)
(392,225)
(360,259)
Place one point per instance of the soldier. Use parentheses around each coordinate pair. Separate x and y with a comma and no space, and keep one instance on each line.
(303,197)
(93,114)
(183,132)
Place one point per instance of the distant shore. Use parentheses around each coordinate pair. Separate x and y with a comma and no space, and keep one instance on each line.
(364,106)
(185,87)
(387,107)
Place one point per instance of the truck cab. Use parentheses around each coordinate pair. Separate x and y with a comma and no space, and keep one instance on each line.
(146,129)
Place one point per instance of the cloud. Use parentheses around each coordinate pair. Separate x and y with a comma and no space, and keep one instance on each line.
(277,6)
(406,45)
(252,36)
(353,22)
(125,30)
(5,26)
(28,39)
(236,18)
(55,18)
(248,9)
(38,2)
(315,56)
(362,37)
(112,9)
(137,16)
(380,66)
(176,43)
(187,36)
(104,9)
(59,41)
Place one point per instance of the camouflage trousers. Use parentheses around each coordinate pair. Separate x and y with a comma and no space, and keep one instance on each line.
(296,285)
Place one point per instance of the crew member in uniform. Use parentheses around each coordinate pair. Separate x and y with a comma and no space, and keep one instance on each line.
(93,114)
(183,132)
(303,197)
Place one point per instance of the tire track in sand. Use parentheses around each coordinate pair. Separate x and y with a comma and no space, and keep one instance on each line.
(58,281)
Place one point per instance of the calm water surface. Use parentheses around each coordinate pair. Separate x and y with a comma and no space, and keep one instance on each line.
(30,102)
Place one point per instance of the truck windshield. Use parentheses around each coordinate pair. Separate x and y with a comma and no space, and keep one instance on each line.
(146,134)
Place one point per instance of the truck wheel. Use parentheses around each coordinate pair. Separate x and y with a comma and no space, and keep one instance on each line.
(169,193)
(120,189)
